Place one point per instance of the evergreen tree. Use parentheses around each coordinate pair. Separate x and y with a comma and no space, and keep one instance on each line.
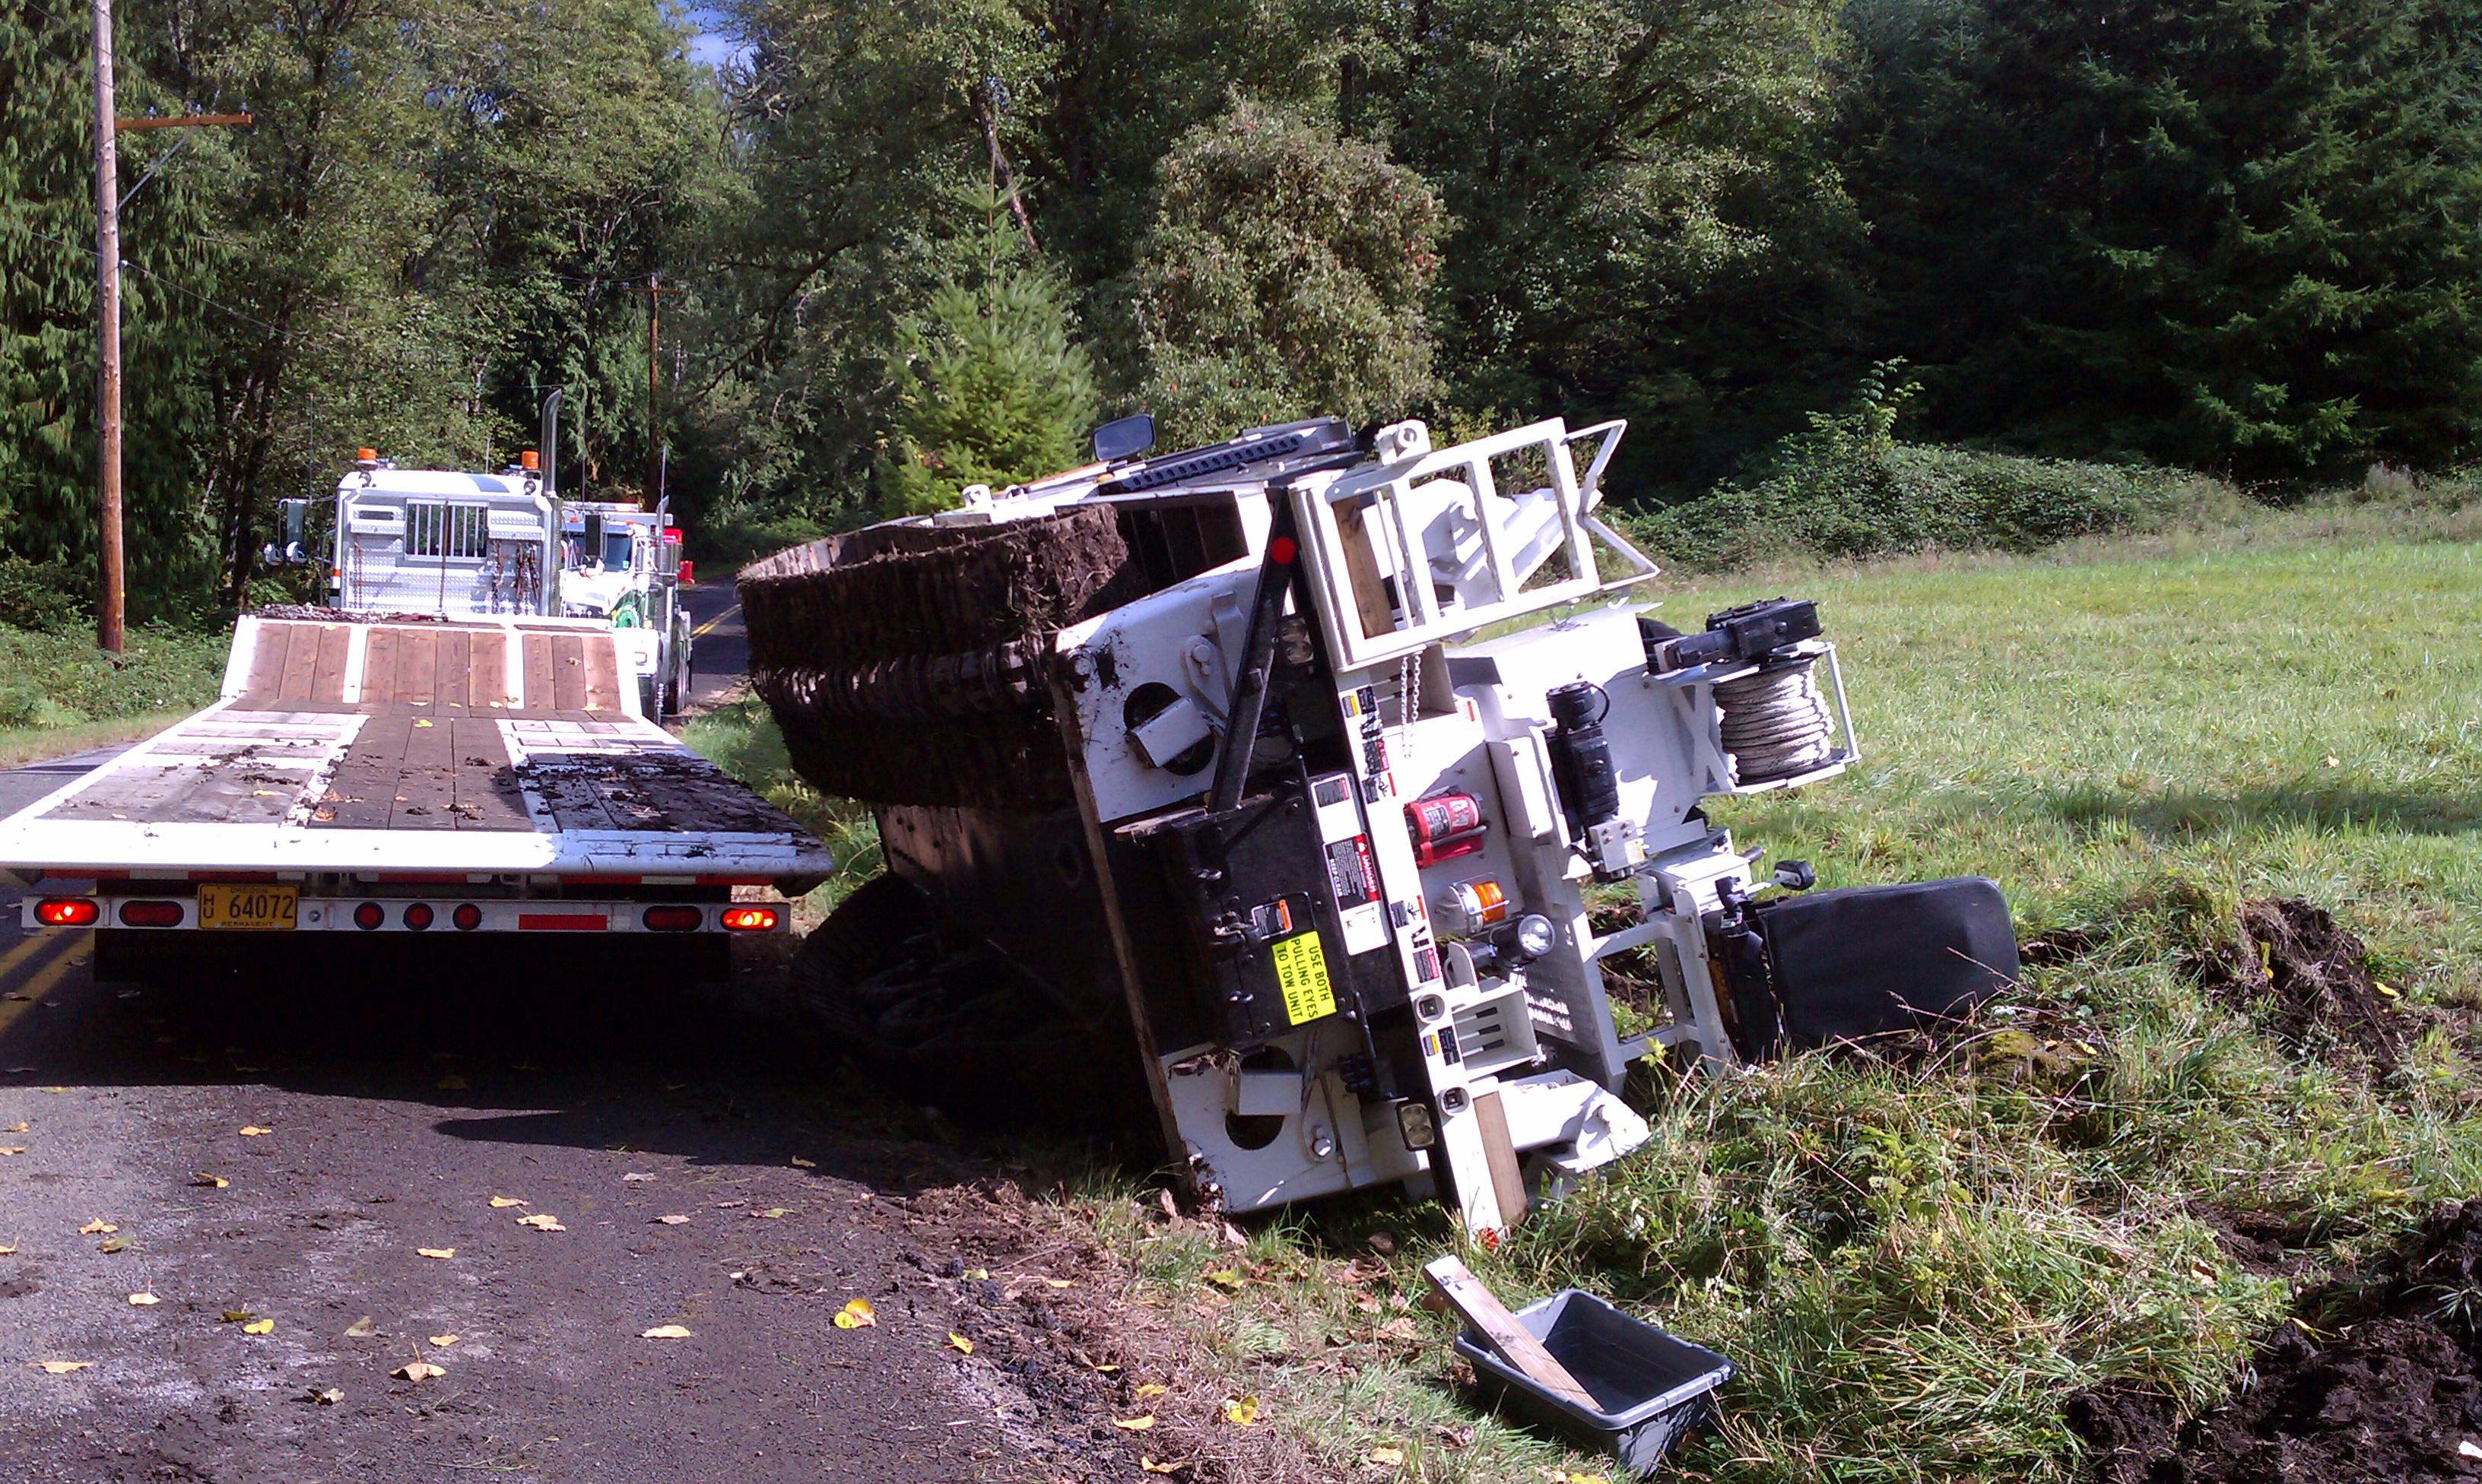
(2238,233)
(991,391)
(47,318)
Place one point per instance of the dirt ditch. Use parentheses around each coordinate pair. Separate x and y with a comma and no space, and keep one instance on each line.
(2379,1379)
(2304,979)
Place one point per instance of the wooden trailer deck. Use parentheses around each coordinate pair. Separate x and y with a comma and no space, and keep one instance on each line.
(515,741)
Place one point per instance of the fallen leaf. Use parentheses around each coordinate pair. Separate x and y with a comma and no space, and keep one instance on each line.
(978,1275)
(1366,1304)
(771,1213)
(254,1130)
(504,1202)
(1152,1467)
(1242,1413)
(673,1220)
(112,1244)
(636,1175)
(144,1300)
(2334,761)
(542,1221)
(1226,1279)
(665,1331)
(59,1368)
(53,1090)
(420,1370)
(444,1341)
(238,1317)
(2386,988)
(209,1182)
(1386,1457)
(259,1327)
(1400,1331)
(1103,1368)
(11,1149)
(20,1127)
(360,1327)
(7,1252)
(1134,1423)
(801,1163)
(1060,1283)
(1151,1389)
(730,1205)
(98,1226)
(960,1342)
(441,1253)
(328,1397)
(855,1315)
(2469,1448)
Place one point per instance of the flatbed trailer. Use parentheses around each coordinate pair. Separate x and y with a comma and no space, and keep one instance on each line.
(361,773)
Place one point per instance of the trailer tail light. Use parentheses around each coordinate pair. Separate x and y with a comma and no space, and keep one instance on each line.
(467,917)
(151,914)
(750,919)
(418,916)
(673,919)
(66,912)
(369,916)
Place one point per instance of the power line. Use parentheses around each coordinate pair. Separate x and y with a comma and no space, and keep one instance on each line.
(148,272)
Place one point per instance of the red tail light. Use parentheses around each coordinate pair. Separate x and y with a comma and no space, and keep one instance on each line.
(151,914)
(750,919)
(369,916)
(675,919)
(66,912)
(467,917)
(418,916)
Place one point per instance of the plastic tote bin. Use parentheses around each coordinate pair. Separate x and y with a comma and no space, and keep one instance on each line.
(1648,1386)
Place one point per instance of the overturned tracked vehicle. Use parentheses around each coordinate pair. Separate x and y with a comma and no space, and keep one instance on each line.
(1282,784)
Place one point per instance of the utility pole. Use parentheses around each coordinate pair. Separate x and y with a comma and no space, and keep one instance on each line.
(110,595)
(654,290)
(107,310)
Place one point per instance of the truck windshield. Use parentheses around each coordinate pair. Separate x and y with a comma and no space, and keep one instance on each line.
(615,550)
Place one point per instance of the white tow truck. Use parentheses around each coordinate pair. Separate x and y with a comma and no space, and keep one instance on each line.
(446,751)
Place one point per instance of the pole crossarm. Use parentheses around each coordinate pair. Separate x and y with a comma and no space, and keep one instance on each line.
(183,121)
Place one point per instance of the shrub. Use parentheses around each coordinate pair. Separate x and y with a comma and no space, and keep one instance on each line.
(1846,491)
(45,595)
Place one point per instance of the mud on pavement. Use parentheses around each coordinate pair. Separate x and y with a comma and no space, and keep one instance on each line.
(696,1170)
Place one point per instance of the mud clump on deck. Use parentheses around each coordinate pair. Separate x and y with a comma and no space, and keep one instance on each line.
(2386,1383)
(2303,976)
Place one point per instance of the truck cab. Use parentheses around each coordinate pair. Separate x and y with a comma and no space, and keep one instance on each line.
(459,545)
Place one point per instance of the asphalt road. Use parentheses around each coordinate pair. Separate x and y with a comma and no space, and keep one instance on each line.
(719,645)
(690,1145)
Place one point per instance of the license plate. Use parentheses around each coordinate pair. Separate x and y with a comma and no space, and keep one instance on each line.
(247,905)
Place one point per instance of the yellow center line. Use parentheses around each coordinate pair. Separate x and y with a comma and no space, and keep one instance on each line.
(47,978)
(717,620)
(35,942)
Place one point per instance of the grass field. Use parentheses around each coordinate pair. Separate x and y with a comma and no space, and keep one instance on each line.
(1913,1265)
(60,694)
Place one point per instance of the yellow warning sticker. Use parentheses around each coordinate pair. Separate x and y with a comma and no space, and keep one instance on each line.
(1300,972)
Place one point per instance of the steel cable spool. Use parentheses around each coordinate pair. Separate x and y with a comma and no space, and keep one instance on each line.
(1775,724)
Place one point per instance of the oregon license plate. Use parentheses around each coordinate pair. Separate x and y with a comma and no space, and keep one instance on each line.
(247,905)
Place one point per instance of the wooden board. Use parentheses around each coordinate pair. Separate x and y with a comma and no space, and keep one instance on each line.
(569,672)
(267,660)
(455,683)
(417,665)
(490,671)
(1499,1155)
(1509,1340)
(378,666)
(537,666)
(328,675)
(300,662)
(602,676)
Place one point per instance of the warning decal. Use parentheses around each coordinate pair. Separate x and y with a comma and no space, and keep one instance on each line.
(1300,972)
